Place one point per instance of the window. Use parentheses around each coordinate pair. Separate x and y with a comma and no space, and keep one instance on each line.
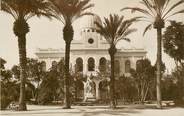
(54,64)
(138,63)
(127,66)
(93,30)
(91,64)
(43,63)
(117,67)
(102,64)
(90,41)
(79,65)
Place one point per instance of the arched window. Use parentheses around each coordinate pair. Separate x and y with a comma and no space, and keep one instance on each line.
(127,66)
(79,65)
(43,65)
(102,64)
(91,64)
(54,65)
(117,67)
(137,64)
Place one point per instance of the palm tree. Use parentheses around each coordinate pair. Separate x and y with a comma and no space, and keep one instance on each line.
(67,11)
(158,11)
(115,29)
(21,11)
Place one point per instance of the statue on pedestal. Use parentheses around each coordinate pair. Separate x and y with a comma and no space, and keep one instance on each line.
(89,89)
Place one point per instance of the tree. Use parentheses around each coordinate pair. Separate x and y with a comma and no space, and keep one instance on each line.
(157,12)
(34,73)
(2,62)
(174,47)
(67,11)
(9,88)
(174,42)
(115,29)
(21,11)
(178,75)
(144,78)
(51,87)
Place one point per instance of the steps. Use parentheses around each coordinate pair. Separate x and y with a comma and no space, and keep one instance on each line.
(88,102)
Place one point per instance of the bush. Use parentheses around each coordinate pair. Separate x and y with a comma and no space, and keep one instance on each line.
(5,101)
(50,88)
(9,93)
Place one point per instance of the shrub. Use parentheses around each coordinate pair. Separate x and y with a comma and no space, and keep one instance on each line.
(5,101)
(9,93)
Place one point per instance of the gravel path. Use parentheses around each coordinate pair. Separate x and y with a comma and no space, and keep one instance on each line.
(128,110)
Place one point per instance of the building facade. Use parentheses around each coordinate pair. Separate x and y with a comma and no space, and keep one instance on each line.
(89,52)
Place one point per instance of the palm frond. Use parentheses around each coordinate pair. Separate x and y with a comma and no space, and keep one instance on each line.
(27,8)
(134,9)
(173,7)
(129,31)
(7,6)
(165,6)
(120,39)
(149,6)
(160,5)
(175,13)
(101,30)
(147,28)
(70,10)
(77,16)
(115,28)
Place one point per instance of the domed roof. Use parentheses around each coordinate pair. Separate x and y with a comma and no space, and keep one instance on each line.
(88,21)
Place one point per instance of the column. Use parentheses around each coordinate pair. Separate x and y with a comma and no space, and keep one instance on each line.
(122,65)
(96,64)
(85,62)
(97,90)
(73,64)
(133,63)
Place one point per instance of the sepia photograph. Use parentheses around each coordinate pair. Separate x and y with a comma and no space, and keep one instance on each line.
(92,57)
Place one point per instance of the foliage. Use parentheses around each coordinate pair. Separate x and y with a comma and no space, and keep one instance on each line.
(169,88)
(115,28)
(51,87)
(126,89)
(2,62)
(26,8)
(9,88)
(67,11)
(174,47)
(144,76)
(156,12)
(34,73)
(174,41)
(178,75)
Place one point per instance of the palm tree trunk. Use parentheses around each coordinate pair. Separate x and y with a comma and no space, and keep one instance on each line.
(68,37)
(112,92)
(22,60)
(158,65)
(67,76)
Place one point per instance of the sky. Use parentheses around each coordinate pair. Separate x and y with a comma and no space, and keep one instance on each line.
(45,33)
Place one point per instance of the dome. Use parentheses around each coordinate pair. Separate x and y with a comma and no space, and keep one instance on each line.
(88,21)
